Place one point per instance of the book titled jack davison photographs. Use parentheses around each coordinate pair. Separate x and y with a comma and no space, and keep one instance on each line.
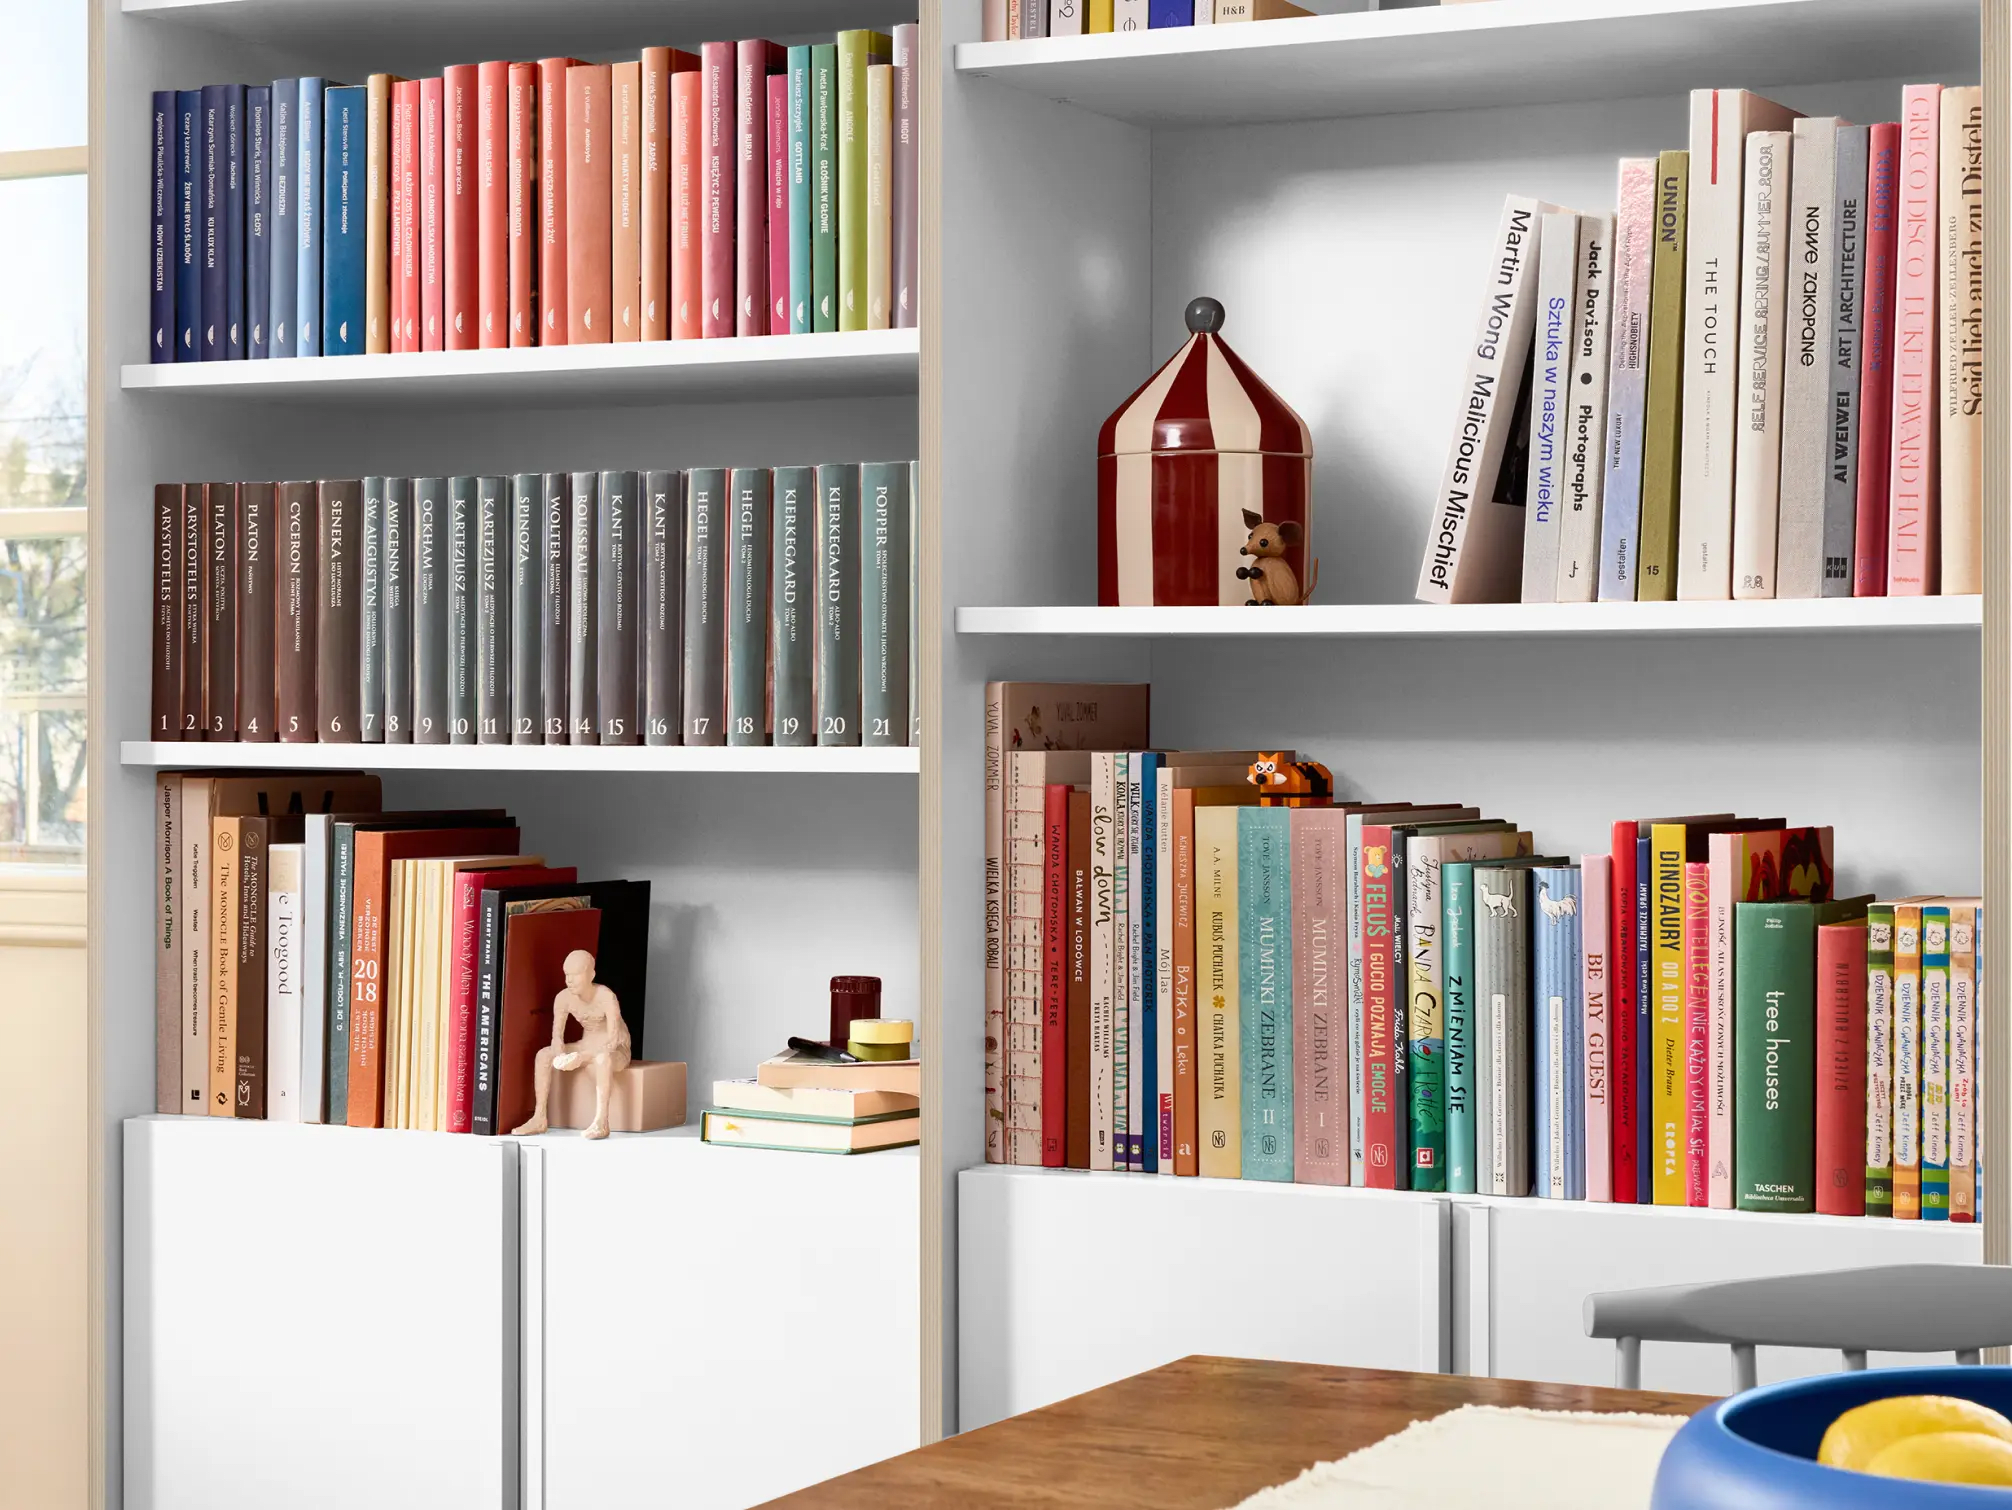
(713,606)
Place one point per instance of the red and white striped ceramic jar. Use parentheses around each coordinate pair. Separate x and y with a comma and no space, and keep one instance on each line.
(1179,464)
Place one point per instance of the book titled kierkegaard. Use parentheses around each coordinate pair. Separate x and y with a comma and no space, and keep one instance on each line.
(1474,548)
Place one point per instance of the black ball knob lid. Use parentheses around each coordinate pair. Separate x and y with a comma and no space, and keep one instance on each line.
(1204,316)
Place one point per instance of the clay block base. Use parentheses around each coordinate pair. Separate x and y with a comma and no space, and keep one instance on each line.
(648,1096)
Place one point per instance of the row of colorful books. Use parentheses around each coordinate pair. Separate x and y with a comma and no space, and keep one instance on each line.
(745,189)
(1762,377)
(1200,964)
(1010,20)
(321,960)
(715,606)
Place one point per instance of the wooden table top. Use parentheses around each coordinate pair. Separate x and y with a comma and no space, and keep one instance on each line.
(1201,1432)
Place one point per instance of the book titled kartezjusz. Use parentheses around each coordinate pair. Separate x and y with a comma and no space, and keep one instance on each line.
(461,629)
(493,602)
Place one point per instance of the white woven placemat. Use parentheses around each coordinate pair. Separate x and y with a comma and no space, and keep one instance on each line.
(1488,1457)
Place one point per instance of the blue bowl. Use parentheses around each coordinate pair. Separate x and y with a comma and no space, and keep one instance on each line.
(1757,1451)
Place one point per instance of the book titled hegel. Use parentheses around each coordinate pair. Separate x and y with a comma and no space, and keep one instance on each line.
(220,557)
(747,606)
(1474,551)
(837,675)
(554,520)
(395,608)
(705,606)
(460,644)
(338,627)
(371,611)
(429,611)
(884,628)
(663,607)
(527,596)
(165,717)
(492,594)
(297,662)
(617,588)
(792,616)
(583,723)
(256,615)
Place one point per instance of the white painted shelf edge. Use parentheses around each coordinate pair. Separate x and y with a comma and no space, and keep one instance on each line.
(1430,621)
(683,1137)
(747,760)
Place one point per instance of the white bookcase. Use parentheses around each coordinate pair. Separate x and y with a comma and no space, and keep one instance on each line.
(1333,181)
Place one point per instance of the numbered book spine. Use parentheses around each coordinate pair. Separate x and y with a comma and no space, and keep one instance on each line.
(343,238)
(1663,413)
(824,186)
(1907,1060)
(1264,910)
(257,615)
(257,219)
(1840,487)
(1962,1061)
(294,651)
(705,516)
(220,559)
(663,608)
(493,602)
(370,599)
(461,628)
(396,609)
(554,651)
(792,616)
(1935,1063)
(429,611)
(1757,408)
(837,676)
(1879,1059)
(338,622)
(283,249)
(160,232)
(747,607)
(1840,1068)
(583,720)
(618,594)
(527,595)
(883,602)
(165,715)
(1913,546)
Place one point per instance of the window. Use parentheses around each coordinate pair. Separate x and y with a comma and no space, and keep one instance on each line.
(43,313)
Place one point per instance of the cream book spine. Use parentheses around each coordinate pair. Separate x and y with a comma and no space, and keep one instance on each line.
(1810,253)
(1720,122)
(1550,378)
(1913,552)
(1129,15)
(1065,17)
(1763,284)
(1586,413)
(197,899)
(1960,353)
(1103,951)
(1627,378)
(282,989)
(1025,799)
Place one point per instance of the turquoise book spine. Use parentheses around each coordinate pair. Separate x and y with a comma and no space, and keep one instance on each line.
(799,191)
(1264,957)
(1934,1063)
(824,186)
(1456,882)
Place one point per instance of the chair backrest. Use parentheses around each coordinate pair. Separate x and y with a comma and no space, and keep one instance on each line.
(1902,1308)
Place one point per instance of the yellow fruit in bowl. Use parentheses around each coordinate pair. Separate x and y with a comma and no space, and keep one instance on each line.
(1949,1457)
(1863,1433)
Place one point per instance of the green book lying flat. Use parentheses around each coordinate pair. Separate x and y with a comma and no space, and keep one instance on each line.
(813,1134)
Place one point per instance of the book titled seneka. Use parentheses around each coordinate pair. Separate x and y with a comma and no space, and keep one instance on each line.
(1474,551)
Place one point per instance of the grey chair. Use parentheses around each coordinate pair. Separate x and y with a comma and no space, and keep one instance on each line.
(1904,1308)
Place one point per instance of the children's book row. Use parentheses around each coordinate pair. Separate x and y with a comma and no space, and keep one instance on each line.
(321,960)
(1761,376)
(1203,964)
(745,189)
(715,606)
(1010,20)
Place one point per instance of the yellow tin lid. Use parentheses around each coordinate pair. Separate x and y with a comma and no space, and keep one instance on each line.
(881,1030)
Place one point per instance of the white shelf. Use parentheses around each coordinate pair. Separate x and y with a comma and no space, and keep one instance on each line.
(1431,621)
(1508,52)
(762,760)
(839,364)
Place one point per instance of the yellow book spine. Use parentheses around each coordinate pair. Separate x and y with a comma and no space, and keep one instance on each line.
(1907,1060)
(1220,1094)
(1666,1026)
(1663,416)
(223,1066)
(1101,19)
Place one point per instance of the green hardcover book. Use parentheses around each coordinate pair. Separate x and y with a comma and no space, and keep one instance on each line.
(1879,1059)
(747,606)
(1456,906)
(1934,1062)
(799,170)
(824,186)
(1264,956)
(884,629)
(856,49)
(1774,1050)
(1663,414)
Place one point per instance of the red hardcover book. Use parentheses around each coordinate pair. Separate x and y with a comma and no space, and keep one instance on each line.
(1076,1011)
(1697,1031)
(1840,1068)
(1383,1111)
(1875,383)
(468,886)
(687,277)
(778,204)
(553,323)
(394,231)
(1913,529)
(523,155)
(406,95)
(492,202)
(1055,978)
(1621,990)
(625,103)
(166,719)
(432,276)
(717,134)
(755,61)
(460,214)
(589,202)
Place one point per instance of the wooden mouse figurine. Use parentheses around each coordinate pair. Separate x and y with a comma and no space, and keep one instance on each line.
(1271,579)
